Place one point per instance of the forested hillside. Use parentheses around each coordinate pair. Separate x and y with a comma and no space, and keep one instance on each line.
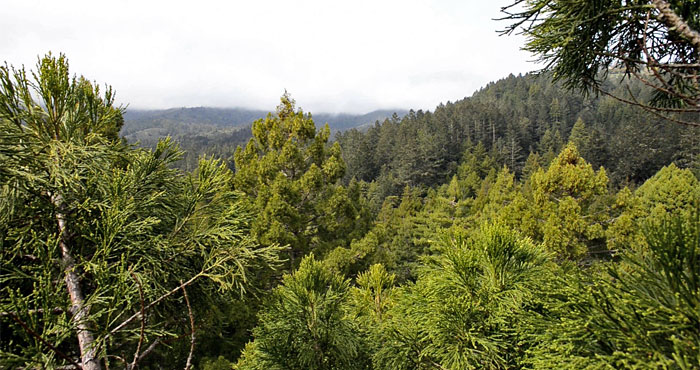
(217,132)
(529,226)
(519,120)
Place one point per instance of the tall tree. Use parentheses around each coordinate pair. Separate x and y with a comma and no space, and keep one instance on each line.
(570,206)
(292,177)
(100,242)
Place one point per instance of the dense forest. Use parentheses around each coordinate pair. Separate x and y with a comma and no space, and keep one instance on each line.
(529,226)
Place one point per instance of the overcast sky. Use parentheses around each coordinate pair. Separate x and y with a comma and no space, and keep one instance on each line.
(332,56)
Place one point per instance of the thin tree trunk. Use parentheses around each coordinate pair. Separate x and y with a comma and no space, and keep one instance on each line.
(86,339)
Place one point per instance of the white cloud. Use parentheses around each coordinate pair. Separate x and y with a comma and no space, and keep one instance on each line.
(331,55)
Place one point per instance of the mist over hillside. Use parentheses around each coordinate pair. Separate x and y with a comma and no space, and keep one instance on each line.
(175,120)
(217,131)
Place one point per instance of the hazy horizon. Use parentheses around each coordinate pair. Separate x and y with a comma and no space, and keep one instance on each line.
(339,57)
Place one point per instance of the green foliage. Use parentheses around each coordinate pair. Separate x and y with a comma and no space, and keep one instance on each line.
(639,313)
(582,41)
(372,297)
(304,324)
(569,204)
(462,310)
(511,119)
(564,276)
(220,363)
(102,241)
(672,191)
(291,176)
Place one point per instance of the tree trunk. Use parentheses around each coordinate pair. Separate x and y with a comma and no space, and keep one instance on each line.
(80,311)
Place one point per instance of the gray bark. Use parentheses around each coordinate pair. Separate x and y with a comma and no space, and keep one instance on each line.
(81,311)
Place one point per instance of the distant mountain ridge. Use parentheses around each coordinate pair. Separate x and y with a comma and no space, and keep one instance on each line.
(217,118)
(217,131)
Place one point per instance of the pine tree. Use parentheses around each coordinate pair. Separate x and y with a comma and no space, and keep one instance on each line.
(292,177)
(304,325)
(102,245)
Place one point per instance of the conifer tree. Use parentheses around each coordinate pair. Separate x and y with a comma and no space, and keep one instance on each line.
(292,177)
(305,325)
(461,313)
(104,249)
(640,312)
(570,204)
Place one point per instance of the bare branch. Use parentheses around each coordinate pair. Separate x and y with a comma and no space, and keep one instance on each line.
(143,322)
(150,305)
(149,349)
(653,110)
(53,311)
(79,309)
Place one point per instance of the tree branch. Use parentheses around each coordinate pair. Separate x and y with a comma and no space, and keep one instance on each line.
(42,340)
(79,309)
(53,311)
(143,323)
(668,17)
(166,295)
(188,365)
(653,110)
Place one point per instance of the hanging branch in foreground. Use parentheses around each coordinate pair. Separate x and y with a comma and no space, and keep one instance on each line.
(653,41)
(42,340)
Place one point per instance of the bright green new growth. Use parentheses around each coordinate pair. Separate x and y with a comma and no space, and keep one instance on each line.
(291,175)
(304,324)
(463,310)
(568,204)
(641,312)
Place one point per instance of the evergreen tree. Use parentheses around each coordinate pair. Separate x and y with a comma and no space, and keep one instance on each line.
(102,245)
(641,312)
(581,138)
(304,325)
(292,177)
(461,313)
(570,204)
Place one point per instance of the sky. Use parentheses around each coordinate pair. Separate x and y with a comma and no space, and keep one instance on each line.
(330,55)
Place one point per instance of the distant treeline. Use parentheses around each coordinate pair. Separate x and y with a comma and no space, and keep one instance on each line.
(216,132)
